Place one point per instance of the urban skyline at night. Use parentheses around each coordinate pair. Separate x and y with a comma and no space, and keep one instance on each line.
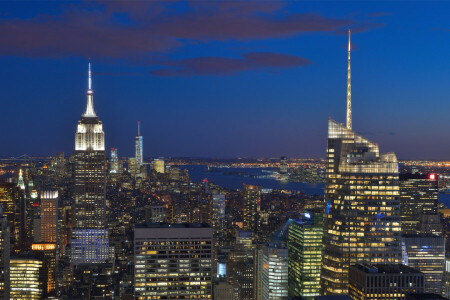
(226,93)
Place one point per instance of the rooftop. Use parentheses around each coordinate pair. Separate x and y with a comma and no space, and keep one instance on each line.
(386,268)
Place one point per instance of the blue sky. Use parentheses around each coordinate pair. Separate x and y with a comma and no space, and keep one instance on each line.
(225,78)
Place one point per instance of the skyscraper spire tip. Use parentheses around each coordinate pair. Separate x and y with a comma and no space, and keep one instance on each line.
(349,89)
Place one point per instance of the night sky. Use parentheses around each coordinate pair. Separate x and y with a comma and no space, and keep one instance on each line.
(225,78)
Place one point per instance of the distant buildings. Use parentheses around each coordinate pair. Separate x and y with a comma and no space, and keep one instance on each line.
(90,233)
(305,255)
(4,257)
(172,261)
(158,165)
(384,281)
(114,167)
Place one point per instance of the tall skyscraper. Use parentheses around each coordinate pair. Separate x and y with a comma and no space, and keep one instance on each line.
(305,255)
(139,147)
(172,261)
(49,216)
(251,209)
(90,234)
(158,165)
(418,199)
(274,272)
(4,256)
(218,219)
(363,206)
(114,161)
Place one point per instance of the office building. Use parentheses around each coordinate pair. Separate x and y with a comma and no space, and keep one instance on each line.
(241,271)
(114,166)
(158,165)
(49,216)
(4,256)
(47,254)
(273,271)
(155,213)
(223,290)
(251,209)
(172,261)
(26,278)
(90,234)
(305,255)
(426,254)
(363,206)
(418,202)
(384,281)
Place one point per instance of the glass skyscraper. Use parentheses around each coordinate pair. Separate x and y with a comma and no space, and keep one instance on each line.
(305,255)
(90,234)
(363,207)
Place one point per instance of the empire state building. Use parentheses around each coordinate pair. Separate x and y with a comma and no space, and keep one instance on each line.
(90,234)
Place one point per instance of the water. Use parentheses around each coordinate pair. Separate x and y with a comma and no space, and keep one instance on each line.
(233,178)
(229,178)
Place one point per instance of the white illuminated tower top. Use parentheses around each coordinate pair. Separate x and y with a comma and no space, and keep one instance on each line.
(90,135)
(349,88)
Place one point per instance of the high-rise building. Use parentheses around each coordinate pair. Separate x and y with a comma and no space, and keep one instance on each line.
(49,216)
(46,252)
(274,271)
(139,149)
(241,271)
(283,165)
(418,197)
(251,209)
(305,255)
(114,167)
(155,213)
(363,206)
(26,278)
(172,261)
(218,219)
(426,254)
(90,234)
(158,165)
(4,256)
(10,196)
(384,281)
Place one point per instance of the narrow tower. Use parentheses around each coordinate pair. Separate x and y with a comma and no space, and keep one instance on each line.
(139,148)
(349,88)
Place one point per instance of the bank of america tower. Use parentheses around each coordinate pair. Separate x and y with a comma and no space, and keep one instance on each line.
(90,234)
(362,220)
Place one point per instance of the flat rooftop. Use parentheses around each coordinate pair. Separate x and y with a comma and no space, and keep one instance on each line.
(386,268)
(169,225)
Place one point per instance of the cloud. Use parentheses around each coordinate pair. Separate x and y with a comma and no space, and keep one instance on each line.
(137,30)
(225,66)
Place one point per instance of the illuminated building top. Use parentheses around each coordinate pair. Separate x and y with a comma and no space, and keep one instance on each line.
(349,89)
(90,135)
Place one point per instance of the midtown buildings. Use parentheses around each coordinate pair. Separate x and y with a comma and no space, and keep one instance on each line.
(251,209)
(4,256)
(274,271)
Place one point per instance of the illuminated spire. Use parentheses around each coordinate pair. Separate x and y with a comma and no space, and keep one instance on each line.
(139,128)
(349,89)
(90,96)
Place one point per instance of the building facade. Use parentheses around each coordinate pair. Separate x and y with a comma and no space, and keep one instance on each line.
(251,209)
(4,256)
(172,261)
(418,198)
(274,272)
(426,254)
(305,255)
(26,278)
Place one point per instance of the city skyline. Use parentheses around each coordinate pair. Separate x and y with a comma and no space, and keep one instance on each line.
(228,94)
